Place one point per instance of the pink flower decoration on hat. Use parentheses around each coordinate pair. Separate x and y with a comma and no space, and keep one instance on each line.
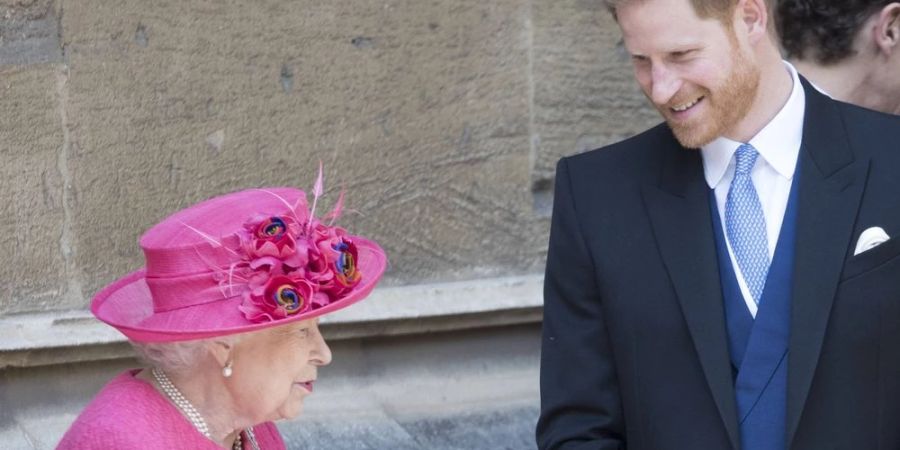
(342,256)
(279,297)
(333,264)
(346,256)
(293,262)
(275,237)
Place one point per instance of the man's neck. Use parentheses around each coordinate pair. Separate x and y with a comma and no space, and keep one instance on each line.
(843,81)
(775,85)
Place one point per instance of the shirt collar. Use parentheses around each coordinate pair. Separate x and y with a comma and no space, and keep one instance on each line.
(778,143)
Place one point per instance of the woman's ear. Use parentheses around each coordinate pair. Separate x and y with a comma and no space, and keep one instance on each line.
(887,29)
(221,351)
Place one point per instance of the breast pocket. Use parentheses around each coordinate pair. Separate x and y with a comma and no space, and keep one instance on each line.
(872,259)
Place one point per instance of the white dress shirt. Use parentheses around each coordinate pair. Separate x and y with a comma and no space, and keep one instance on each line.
(778,144)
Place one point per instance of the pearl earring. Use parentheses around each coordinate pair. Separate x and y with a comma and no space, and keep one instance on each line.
(227,371)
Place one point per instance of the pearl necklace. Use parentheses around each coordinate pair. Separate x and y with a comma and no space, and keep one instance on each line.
(193,415)
(182,403)
(250,438)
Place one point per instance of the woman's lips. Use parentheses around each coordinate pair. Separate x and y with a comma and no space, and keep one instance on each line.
(308,385)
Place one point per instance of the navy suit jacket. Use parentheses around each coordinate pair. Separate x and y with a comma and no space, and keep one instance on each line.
(634,350)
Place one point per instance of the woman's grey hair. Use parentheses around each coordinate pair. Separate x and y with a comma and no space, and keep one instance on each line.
(178,357)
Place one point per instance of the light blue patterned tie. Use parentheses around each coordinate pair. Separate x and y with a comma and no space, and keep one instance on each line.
(746,224)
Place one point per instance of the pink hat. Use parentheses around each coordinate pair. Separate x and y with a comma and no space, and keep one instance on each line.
(240,262)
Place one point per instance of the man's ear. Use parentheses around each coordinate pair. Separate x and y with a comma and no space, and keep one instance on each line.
(754,16)
(887,29)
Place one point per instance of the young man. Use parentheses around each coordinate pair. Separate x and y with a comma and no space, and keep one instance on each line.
(725,280)
(849,49)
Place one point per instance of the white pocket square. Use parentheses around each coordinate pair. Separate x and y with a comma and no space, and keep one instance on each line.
(870,238)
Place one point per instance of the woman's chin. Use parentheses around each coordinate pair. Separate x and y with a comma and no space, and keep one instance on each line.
(292,412)
(293,407)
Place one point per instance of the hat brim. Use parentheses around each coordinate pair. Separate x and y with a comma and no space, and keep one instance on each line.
(127,305)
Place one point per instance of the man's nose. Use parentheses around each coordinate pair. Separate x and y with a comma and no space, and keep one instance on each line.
(665,83)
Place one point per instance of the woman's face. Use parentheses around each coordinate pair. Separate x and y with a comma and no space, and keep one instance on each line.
(274,370)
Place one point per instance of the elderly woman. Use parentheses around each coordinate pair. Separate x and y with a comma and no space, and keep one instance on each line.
(225,313)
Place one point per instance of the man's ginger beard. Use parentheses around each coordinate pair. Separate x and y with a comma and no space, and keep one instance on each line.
(726,104)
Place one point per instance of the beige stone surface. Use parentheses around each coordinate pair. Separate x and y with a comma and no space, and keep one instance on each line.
(442,119)
(33,274)
(585,95)
(24,8)
(29,32)
(419,108)
(18,3)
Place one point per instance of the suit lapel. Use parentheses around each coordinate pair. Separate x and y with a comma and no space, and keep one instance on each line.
(831,186)
(679,212)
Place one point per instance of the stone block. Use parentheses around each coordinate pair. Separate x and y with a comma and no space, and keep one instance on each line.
(14,438)
(585,95)
(45,432)
(497,427)
(489,428)
(32,217)
(420,109)
(29,32)
(372,431)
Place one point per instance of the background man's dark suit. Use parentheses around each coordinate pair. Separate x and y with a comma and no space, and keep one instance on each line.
(635,346)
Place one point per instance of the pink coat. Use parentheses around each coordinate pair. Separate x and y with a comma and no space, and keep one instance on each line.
(129,414)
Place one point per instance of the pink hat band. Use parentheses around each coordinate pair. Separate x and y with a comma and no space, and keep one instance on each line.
(181,292)
(171,280)
(197,257)
(240,262)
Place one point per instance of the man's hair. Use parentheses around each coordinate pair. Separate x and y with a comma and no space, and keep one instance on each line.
(823,30)
(705,9)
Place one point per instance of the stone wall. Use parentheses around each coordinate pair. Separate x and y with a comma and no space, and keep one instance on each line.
(441,118)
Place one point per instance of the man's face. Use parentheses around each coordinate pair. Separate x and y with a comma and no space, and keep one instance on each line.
(693,70)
